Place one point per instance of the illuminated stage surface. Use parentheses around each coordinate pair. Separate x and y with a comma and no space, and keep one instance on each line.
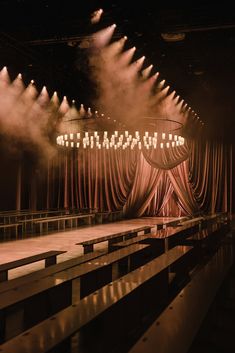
(66,240)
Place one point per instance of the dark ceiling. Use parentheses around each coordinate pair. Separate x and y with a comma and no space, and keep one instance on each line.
(41,40)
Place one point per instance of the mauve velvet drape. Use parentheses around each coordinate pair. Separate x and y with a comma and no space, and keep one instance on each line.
(210,174)
(95,179)
(142,184)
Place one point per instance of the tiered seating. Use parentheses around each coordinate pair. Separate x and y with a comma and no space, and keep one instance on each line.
(14,224)
(113,238)
(172,223)
(60,222)
(67,284)
(9,227)
(110,297)
(49,271)
(120,298)
(174,330)
(165,238)
(50,258)
(108,216)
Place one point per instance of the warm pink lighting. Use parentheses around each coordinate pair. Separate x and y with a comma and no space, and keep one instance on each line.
(96,16)
(64,106)
(4,75)
(113,49)
(146,72)
(82,110)
(102,38)
(136,66)
(165,90)
(55,99)
(126,57)
(17,85)
(44,90)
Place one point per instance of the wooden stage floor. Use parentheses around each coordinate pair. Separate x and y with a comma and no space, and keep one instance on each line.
(66,240)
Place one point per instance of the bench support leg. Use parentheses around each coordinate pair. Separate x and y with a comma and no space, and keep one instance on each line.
(147,231)
(113,241)
(50,261)
(115,271)
(130,235)
(166,245)
(76,290)
(128,264)
(3,276)
(74,343)
(14,322)
(88,248)
(99,219)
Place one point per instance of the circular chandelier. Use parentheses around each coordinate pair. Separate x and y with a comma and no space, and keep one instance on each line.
(119,140)
(95,131)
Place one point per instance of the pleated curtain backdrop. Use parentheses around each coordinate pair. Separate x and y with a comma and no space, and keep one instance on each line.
(194,179)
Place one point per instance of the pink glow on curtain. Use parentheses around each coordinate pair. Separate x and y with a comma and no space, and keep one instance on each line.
(111,180)
(145,183)
(179,180)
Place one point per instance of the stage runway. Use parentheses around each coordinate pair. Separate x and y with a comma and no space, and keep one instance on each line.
(66,240)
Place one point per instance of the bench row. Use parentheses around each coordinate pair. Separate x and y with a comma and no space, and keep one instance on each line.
(78,313)
(58,222)
(83,280)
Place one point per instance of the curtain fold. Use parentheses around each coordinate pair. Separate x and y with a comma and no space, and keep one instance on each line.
(133,181)
(144,186)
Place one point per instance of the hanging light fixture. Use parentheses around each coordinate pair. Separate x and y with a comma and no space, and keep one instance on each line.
(119,140)
(94,131)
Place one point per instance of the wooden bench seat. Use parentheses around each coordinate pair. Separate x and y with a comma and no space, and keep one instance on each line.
(192,220)
(62,221)
(88,245)
(137,239)
(14,226)
(48,256)
(29,289)
(32,221)
(162,239)
(69,285)
(172,236)
(109,216)
(174,330)
(171,223)
(48,271)
(117,305)
(156,244)
(206,240)
(24,215)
